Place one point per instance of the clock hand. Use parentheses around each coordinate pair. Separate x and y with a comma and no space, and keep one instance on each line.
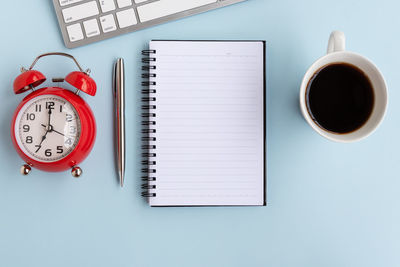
(58,132)
(49,116)
(40,144)
(45,134)
(52,130)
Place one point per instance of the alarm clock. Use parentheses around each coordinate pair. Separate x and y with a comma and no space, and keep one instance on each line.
(53,129)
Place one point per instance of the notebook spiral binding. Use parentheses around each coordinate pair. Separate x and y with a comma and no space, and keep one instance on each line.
(148,124)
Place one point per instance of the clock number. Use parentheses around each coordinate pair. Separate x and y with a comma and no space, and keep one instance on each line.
(38,108)
(29,140)
(61,107)
(68,117)
(30,116)
(47,152)
(60,150)
(68,141)
(72,129)
(26,128)
(50,105)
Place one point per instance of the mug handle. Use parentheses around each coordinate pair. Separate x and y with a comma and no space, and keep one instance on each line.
(337,42)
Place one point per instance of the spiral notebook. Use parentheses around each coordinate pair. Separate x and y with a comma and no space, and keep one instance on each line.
(204,123)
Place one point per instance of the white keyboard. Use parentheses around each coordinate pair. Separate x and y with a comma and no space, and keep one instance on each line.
(87,21)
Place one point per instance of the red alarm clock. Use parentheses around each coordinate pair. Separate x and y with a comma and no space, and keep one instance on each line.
(53,129)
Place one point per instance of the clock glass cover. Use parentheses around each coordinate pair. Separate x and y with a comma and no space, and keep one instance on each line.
(47,128)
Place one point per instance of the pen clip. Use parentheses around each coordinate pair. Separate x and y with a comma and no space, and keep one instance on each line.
(115,80)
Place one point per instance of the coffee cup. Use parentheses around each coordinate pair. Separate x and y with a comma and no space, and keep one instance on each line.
(343,95)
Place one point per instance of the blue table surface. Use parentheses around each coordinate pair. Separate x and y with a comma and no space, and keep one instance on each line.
(329,204)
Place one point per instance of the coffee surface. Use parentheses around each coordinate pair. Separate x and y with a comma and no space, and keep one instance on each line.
(340,98)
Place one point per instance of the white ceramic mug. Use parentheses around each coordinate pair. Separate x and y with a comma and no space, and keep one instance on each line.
(337,54)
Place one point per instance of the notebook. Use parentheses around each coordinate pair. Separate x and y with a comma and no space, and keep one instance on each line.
(204,123)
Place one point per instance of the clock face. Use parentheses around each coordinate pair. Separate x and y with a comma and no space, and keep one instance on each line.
(47,128)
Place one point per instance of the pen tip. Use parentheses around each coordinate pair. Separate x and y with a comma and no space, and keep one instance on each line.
(121,180)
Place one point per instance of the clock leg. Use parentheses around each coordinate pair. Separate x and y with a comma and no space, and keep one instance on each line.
(76,172)
(25,169)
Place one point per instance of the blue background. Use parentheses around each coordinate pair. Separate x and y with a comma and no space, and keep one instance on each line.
(329,204)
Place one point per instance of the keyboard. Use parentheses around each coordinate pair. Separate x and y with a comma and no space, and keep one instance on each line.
(86,21)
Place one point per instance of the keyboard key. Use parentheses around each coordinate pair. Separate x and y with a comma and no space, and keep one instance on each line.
(164,8)
(107,5)
(91,28)
(75,32)
(126,18)
(124,3)
(108,23)
(78,12)
(68,2)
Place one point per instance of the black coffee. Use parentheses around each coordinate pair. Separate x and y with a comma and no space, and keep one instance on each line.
(340,98)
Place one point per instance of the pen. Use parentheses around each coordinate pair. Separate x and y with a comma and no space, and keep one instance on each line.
(119,98)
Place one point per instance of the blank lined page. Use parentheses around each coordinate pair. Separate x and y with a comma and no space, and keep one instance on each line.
(209,123)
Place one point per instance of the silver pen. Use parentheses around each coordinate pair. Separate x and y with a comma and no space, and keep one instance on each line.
(119,98)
